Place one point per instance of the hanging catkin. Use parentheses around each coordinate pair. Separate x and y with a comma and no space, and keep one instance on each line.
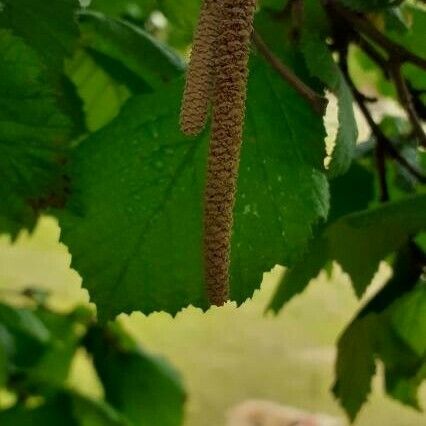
(232,52)
(199,82)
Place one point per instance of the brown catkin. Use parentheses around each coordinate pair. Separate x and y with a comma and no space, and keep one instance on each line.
(199,81)
(233,45)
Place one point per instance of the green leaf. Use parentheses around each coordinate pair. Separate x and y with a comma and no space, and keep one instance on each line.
(413,40)
(407,270)
(48,27)
(355,365)
(321,64)
(55,412)
(144,388)
(370,5)
(276,5)
(40,345)
(182,16)
(51,31)
(33,136)
(297,278)
(373,334)
(134,49)
(64,408)
(90,412)
(408,319)
(25,322)
(365,339)
(102,95)
(405,389)
(367,234)
(145,199)
(7,347)
(66,331)
(360,182)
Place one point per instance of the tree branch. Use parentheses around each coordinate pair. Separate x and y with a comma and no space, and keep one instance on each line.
(392,70)
(380,155)
(386,143)
(381,139)
(318,102)
(407,102)
(396,51)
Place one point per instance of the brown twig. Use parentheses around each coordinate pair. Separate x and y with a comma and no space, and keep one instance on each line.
(392,70)
(380,155)
(396,51)
(381,139)
(318,102)
(406,100)
(386,143)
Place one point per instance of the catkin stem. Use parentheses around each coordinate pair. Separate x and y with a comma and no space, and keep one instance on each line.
(231,65)
(199,82)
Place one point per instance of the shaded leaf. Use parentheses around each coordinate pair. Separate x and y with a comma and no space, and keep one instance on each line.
(321,64)
(355,365)
(33,136)
(367,234)
(370,5)
(133,48)
(48,27)
(408,319)
(147,391)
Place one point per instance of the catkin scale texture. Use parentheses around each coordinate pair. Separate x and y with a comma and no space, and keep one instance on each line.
(199,81)
(229,95)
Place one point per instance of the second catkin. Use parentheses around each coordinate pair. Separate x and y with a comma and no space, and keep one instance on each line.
(200,75)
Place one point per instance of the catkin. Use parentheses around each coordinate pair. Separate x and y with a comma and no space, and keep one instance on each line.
(229,95)
(199,82)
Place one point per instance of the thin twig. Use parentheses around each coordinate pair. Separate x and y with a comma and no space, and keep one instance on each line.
(378,134)
(395,50)
(380,155)
(392,69)
(386,143)
(373,54)
(318,102)
(407,102)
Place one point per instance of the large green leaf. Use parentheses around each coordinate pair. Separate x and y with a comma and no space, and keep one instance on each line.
(33,135)
(367,234)
(140,214)
(144,388)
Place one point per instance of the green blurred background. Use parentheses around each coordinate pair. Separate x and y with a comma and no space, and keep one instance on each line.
(226,355)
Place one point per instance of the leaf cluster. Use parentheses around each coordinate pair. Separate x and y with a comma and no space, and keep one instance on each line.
(37,350)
